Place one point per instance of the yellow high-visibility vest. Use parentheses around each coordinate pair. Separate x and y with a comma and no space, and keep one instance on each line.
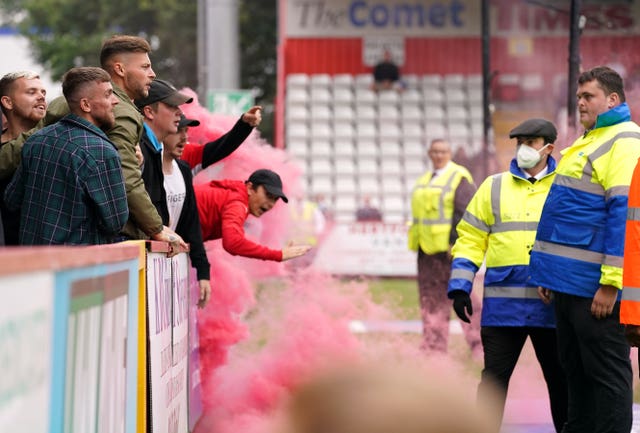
(432,209)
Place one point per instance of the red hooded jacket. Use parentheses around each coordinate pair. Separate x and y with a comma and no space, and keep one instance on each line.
(223,207)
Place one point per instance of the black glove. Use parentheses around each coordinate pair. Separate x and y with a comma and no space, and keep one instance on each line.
(462,302)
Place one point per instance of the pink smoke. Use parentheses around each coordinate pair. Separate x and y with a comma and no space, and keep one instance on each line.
(254,352)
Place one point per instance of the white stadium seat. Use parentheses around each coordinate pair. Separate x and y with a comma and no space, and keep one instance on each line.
(393,186)
(342,97)
(474,81)
(431,81)
(320,112)
(344,167)
(390,167)
(413,148)
(390,149)
(456,81)
(410,80)
(366,148)
(365,97)
(297,81)
(457,113)
(365,112)
(455,97)
(321,130)
(389,131)
(368,185)
(320,148)
(366,130)
(363,81)
(297,113)
(434,113)
(343,113)
(319,95)
(368,166)
(388,113)
(433,96)
(297,96)
(345,186)
(343,131)
(297,131)
(298,148)
(412,130)
(343,148)
(322,81)
(411,112)
(320,167)
(388,97)
(343,81)
(322,185)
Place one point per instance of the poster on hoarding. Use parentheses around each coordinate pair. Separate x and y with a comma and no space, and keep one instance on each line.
(194,383)
(180,343)
(168,315)
(375,249)
(160,318)
(96,379)
(26,315)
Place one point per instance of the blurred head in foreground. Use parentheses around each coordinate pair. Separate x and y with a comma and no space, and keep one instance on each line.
(381,400)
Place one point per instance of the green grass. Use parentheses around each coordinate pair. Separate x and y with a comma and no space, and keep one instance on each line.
(401,294)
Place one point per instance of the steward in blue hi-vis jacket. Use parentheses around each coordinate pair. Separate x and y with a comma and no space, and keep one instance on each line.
(499,228)
(577,255)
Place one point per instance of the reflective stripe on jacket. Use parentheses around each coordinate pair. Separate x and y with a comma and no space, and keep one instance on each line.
(499,227)
(432,209)
(580,240)
(630,305)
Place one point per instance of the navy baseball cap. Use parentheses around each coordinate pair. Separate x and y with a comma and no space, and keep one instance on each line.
(270,181)
(184,122)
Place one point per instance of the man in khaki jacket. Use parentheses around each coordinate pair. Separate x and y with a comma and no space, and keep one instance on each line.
(126,59)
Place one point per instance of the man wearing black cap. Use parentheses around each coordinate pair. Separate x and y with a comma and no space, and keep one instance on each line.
(223,206)
(499,228)
(169,182)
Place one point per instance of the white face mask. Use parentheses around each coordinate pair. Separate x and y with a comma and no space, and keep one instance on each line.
(527,156)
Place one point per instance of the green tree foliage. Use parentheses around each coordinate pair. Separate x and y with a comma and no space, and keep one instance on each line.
(67,33)
(258,40)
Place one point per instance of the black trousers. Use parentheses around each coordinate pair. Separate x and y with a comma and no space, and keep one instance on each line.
(595,357)
(502,348)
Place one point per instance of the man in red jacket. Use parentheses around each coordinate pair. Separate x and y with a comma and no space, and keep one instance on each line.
(223,207)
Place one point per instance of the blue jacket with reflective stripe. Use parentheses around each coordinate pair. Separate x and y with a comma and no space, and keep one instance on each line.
(580,239)
(499,227)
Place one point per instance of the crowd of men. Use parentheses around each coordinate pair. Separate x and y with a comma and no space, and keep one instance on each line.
(102,164)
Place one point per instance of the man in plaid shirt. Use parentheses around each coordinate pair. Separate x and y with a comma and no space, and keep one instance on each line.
(69,186)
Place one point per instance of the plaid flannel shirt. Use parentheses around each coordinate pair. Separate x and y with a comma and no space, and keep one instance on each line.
(69,187)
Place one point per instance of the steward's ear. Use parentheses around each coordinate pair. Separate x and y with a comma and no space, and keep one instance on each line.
(613,100)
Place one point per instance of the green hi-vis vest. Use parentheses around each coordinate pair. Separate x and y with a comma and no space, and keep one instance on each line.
(432,209)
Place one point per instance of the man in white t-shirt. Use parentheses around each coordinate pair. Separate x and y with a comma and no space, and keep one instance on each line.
(169,182)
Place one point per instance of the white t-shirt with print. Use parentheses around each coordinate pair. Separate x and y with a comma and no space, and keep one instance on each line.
(176,191)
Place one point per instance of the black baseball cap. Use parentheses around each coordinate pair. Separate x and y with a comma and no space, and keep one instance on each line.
(163,91)
(184,122)
(535,128)
(270,181)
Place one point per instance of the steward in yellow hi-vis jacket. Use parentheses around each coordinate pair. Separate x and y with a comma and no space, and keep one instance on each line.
(438,201)
(577,255)
(499,227)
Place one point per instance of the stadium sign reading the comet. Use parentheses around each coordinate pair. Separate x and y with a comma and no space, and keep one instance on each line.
(451,18)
